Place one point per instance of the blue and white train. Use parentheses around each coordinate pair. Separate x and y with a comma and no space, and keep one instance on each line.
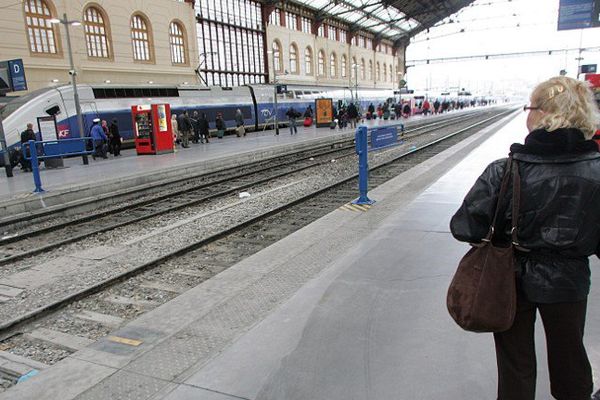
(108,102)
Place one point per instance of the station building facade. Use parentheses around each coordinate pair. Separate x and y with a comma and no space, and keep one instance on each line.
(229,43)
(329,52)
(117,41)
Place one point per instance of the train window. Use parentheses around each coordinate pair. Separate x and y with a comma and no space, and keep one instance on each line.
(54,110)
(226,88)
(289,95)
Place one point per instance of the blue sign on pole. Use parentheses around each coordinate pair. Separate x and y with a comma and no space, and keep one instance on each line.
(577,14)
(12,76)
(382,137)
(17,75)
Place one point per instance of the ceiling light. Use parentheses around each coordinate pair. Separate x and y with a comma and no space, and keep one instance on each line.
(107,81)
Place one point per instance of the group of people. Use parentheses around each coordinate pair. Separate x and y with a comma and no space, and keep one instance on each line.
(197,128)
(105,138)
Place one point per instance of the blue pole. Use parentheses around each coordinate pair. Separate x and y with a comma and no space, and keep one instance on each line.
(363,165)
(35,168)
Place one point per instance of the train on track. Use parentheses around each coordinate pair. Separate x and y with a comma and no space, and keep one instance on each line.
(108,102)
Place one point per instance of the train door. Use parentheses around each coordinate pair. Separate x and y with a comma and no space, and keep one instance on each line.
(89,111)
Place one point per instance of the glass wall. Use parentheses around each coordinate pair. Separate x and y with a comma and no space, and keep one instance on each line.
(231,42)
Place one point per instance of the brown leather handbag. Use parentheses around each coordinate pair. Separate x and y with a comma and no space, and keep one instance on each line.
(482,296)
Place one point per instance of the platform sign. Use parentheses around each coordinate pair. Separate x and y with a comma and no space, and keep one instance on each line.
(588,69)
(12,76)
(324,112)
(578,14)
(382,137)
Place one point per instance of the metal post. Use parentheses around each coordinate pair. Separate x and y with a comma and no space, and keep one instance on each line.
(363,165)
(73,74)
(275,98)
(7,166)
(35,169)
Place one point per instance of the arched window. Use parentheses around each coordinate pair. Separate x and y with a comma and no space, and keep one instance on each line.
(344,66)
(333,65)
(96,37)
(308,62)
(321,69)
(140,39)
(40,31)
(354,67)
(384,72)
(277,56)
(370,70)
(378,72)
(177,42)
(391,75)
(362,69)
(294,59)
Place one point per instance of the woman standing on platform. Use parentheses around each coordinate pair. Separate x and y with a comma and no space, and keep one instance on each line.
(175,128)
(558,230)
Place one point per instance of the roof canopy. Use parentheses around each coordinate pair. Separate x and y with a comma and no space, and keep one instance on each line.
(391,19)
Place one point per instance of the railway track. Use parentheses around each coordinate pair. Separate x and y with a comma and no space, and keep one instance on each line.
(92,312)
(32,241)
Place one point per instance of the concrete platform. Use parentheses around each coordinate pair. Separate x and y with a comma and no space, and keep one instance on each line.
(94,182)
(349,307)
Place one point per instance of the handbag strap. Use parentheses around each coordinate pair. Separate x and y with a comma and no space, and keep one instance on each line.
(501,195)
(516,202)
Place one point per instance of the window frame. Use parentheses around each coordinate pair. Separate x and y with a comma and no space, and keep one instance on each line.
(150,41)
(294,60)
(54,28)
(107,32)
(183,45)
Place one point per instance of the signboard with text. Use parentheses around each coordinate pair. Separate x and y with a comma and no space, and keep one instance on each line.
(578,14)
(383,137)
(324,112)
(12,76)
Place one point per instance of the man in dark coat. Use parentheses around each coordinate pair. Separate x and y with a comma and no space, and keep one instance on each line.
(352,114)
(203,128)
(27,135)
(115,138)
(184,123)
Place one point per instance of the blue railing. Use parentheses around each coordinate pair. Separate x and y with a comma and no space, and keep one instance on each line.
(54,149)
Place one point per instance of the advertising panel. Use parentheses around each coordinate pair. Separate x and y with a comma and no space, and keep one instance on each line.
(324,112)
(162,118)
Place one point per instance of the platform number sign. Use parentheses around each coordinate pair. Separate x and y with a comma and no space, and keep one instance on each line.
(578,14)
(12,76)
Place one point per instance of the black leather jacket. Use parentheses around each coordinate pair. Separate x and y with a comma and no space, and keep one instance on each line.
(559,217)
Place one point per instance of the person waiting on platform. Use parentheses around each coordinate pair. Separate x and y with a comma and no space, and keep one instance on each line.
(175,129)
(196,127)
(292,115)
(203,128)
(27,135)
(239,123)
(184,124)
(426,107)
(308,116)
(99,138)
(220,125)
(115,138)
(558,230)
(352,114)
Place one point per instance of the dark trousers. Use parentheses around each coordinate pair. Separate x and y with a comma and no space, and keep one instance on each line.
(116,146)
(568,364)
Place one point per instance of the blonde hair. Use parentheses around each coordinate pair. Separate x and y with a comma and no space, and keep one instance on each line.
(566,103)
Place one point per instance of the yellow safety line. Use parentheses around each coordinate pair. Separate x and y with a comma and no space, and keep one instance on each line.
(122,340)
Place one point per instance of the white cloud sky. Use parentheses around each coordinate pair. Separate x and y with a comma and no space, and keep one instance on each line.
(496,27)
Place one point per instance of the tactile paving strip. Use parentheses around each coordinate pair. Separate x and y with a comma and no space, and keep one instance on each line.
(124,385)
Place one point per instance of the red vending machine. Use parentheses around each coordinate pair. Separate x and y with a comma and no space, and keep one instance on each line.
(152,128)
